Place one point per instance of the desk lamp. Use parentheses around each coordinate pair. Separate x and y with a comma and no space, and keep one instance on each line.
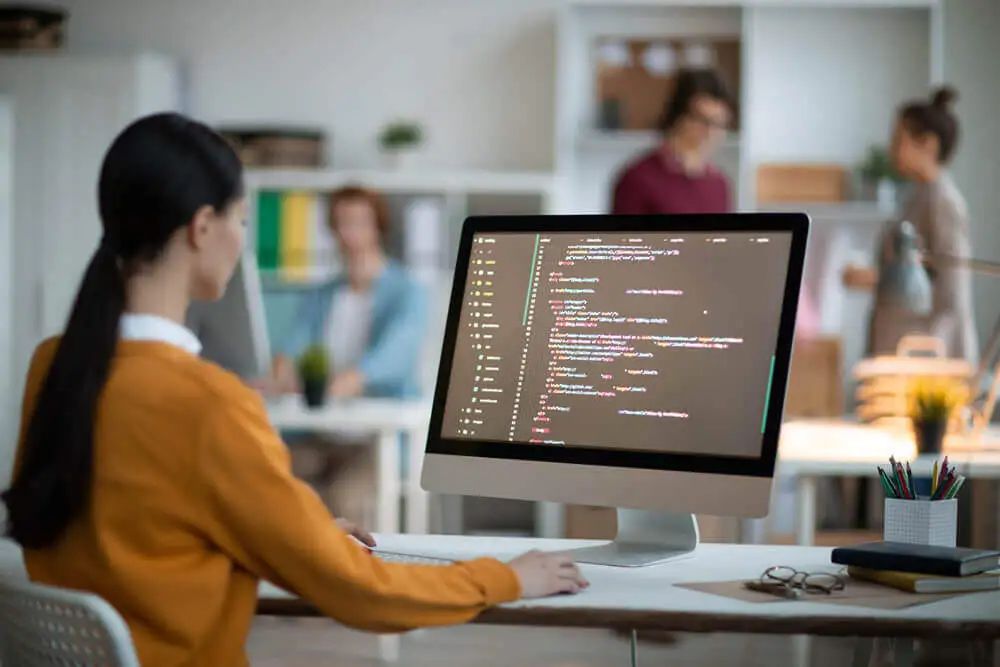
(981,406)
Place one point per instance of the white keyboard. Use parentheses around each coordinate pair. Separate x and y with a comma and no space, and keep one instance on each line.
(410,559)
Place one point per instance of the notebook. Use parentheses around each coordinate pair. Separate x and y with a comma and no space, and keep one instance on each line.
(919,558)
(928,583)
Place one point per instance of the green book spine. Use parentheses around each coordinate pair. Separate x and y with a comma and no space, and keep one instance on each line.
(268,230)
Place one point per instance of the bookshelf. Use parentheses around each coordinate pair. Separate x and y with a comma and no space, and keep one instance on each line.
(288,215)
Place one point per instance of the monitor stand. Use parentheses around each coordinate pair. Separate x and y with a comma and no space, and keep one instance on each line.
(644,538)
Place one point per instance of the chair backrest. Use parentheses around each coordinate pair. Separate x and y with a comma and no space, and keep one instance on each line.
(48,626)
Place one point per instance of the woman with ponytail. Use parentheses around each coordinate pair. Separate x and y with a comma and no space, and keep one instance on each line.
(924,140)
(153,478)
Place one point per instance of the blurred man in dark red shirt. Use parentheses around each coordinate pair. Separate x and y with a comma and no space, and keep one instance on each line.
(677,177)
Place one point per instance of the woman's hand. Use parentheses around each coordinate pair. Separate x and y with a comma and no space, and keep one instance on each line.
(543,574)
(859,277)
(357,533)
(349,384)
(281,381)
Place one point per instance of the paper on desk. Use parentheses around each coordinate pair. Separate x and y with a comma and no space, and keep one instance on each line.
(855,593)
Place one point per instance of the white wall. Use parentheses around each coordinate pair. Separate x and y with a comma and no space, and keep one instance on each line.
(826,81)
(479,74)
(971,55)
(8,381)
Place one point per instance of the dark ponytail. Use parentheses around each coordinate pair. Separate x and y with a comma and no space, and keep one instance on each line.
(157,174)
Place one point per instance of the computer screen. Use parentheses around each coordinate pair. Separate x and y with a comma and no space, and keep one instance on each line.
(645,341)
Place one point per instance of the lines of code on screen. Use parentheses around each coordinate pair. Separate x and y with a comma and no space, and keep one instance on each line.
(651,341)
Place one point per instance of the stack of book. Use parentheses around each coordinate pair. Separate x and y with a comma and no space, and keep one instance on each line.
(920,568)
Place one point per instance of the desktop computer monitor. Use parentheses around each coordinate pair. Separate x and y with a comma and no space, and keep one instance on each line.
(635,362)
(232,330)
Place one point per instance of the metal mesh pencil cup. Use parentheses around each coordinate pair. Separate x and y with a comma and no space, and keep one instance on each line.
(931,522)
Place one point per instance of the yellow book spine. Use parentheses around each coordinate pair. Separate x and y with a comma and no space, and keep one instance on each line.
(296,246)
(903,581)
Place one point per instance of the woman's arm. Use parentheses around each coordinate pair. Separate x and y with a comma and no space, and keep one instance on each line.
(861,278)
(298,336)
(946,242)
(275,526)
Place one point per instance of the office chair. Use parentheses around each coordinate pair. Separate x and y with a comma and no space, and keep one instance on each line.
(46,626)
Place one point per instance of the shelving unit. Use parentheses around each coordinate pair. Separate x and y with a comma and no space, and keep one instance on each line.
(455,195)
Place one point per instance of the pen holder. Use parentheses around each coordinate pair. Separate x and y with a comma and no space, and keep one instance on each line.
(931,522)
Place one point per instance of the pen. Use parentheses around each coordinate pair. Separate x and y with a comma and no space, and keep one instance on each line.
(909,481)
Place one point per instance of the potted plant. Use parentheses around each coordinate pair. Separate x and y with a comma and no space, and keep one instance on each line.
(932,405)
(399,141)
(314,372)
(880,178)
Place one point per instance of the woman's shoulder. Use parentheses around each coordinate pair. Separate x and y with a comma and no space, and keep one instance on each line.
(948,197)
(41,361)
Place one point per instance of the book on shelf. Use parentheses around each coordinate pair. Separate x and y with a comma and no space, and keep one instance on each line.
(293,242)
(914,582)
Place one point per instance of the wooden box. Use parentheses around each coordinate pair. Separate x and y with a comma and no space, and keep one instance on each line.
(31,28)
(801,183)
(815,380)
(278,147)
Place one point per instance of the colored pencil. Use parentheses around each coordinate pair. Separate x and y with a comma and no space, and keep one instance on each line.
(955,488)
(934,479)
(885,484)
(943,491)
(902,482)
(890,489)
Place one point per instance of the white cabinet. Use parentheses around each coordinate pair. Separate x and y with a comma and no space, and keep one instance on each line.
(66,110)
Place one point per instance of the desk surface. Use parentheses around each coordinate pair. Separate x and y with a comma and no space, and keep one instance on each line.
(290,412)
(646,598)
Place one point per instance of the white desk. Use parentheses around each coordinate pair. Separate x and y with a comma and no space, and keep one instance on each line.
(388,419)
(812,449)
(648,598)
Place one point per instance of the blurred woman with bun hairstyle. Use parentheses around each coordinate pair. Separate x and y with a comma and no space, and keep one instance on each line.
(925,136)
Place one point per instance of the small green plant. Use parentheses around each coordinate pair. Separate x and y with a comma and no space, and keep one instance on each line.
(399,135)
(314,364)
(934,401)
(877,167)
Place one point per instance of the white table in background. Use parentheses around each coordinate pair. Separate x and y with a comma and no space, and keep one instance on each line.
(648,598)
(813,449)
(388,419)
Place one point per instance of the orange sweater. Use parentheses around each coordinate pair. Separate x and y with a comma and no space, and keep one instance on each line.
(194,501)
